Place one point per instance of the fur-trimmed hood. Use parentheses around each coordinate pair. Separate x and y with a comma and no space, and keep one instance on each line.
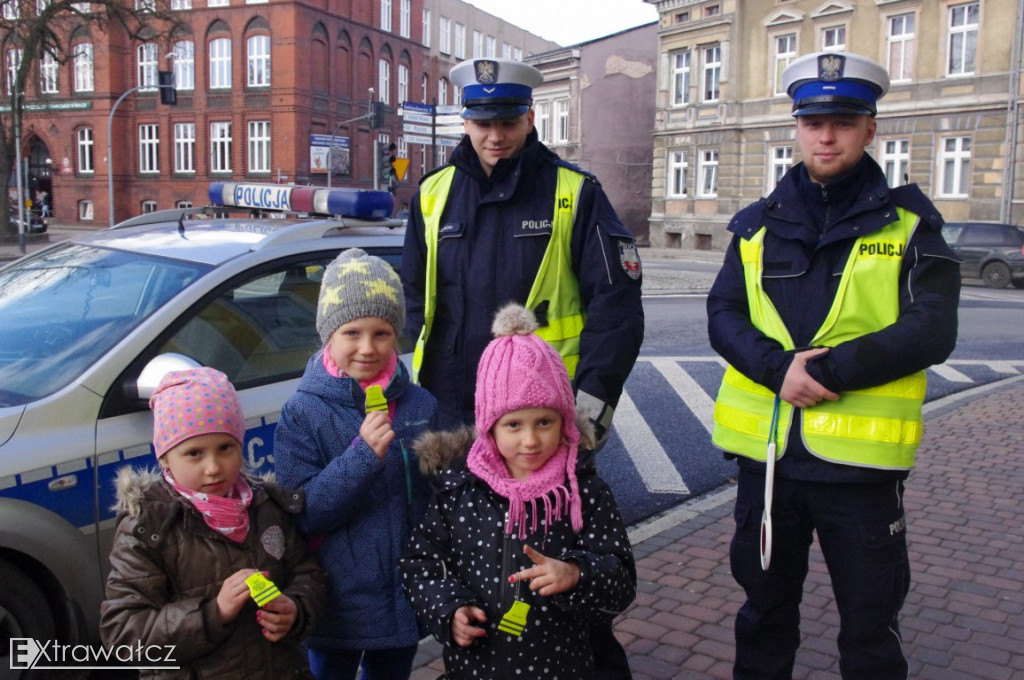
(438,450)
(132,485)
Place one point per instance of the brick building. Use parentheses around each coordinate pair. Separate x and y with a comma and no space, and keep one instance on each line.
(263,89)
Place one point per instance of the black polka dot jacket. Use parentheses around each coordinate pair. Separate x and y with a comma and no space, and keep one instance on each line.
(460,555)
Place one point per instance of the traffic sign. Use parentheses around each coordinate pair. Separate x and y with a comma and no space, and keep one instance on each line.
(417,129)
(417,107)
(418,118)
(449,108)
(417,139)
(400,165)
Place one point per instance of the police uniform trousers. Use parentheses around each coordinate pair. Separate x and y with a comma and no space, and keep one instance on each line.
(862,533)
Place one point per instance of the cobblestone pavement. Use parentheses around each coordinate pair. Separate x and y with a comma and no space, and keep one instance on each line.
(964,616)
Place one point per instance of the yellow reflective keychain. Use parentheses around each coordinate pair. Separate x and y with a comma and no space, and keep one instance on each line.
(514,620)
(261,588)
(375,400)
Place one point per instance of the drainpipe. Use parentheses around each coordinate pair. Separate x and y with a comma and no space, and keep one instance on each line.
(1013,118)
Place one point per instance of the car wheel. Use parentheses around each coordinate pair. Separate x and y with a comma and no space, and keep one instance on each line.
(995,275)
(24,613)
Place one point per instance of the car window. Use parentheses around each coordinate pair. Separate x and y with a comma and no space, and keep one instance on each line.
(951,232)
(260,329)
(64,308)
(986,235)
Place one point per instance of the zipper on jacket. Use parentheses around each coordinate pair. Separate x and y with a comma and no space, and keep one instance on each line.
(507,593)
(408,473)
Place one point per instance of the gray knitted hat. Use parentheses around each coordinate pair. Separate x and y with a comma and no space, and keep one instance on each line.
(357,285)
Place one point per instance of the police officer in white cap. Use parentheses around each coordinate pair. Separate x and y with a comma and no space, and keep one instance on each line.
(507,220)
(836,293)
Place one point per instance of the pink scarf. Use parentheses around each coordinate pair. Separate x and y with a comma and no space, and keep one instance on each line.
(228,515)
(546,485)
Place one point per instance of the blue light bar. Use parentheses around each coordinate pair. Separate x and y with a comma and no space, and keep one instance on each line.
(343,202)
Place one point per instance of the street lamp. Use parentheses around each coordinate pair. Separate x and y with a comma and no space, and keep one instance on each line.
(330,149)
(110,132)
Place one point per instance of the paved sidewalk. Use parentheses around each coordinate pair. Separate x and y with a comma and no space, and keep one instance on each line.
(964,616)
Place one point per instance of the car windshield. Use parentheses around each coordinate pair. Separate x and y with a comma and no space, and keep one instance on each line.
(64,308)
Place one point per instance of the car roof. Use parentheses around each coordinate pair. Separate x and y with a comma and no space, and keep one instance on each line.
(217,240)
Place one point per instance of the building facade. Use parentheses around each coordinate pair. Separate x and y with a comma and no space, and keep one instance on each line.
(596,109)
(724,134)
(267,91)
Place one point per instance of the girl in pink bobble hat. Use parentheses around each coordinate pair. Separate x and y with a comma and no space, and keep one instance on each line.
(189,537)
(519,549)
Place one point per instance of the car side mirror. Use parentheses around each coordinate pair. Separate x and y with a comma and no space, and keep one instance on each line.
(157,368)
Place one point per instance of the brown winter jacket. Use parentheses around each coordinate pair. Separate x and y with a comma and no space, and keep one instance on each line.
(167,567)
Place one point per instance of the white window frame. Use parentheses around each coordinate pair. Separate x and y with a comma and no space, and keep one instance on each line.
(220,146)
(179,5)
(41,5)
(901,46)
(384,81)
(542,120)
(257,48)
(145,5)
(442,92)
(149,149)
(491,46)
(216,3)
(962,42)
(894,158)
(427,18)
(459,42)
(148,206)
(478,44)
(13,64)
(424,86)
(784,51)
(560,116)
(676,183)
(184,61)
(707,173)
(711,74)
(259,146)
(220,63)
(780,160)
(185,148)
(86,148)
(444,32)
(12,10)
(954,167)
(385,15)
(85,211)
(405,18)
(682,63)
(85,76)
(183,204)
(49,70)
(506,51)
(517,53)
(833,38)
(147,57)
(403,83)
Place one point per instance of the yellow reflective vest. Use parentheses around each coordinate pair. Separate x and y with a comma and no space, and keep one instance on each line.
(556,283)
(877,427)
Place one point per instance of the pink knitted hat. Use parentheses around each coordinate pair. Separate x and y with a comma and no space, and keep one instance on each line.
(520,370)
(193,402)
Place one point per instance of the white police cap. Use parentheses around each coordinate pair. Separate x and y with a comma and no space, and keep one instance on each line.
(495,88)
(834,82)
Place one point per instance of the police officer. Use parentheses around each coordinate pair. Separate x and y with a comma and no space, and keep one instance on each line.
(836,293)
(508,220)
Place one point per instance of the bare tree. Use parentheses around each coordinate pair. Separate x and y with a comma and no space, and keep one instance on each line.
(33,30)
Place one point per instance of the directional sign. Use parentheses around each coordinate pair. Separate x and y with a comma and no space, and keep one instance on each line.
(418,118)
(418,108)
(443,141)
(417,129)
(417,139)
(450,108)
(448,119)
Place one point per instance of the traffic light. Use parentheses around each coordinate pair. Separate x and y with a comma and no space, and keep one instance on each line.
(387,169)
(377,115)
(168,93)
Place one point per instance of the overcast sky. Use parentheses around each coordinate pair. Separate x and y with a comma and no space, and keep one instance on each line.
(568,22)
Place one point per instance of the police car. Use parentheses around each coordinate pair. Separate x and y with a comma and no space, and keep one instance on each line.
(87,328)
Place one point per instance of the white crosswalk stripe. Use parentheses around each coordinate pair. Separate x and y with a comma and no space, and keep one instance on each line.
(656,469)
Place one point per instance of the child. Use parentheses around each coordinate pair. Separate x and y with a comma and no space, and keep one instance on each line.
(518,549)
(188,538)
(364,491)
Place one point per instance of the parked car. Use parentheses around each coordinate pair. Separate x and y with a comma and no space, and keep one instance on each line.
(88,326)
(990,251)
(35,223)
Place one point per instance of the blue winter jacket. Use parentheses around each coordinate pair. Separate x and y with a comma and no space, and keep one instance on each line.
(359,509)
